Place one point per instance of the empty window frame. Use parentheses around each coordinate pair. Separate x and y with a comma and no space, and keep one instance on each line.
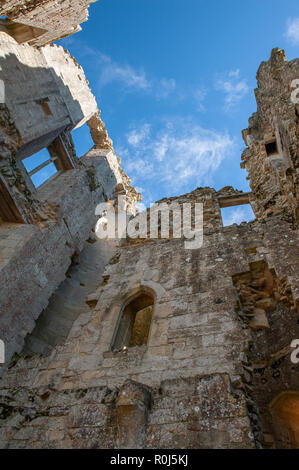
(237,214)
(40,167)
(134,322)
(271,148)
(235,209)
(82,140)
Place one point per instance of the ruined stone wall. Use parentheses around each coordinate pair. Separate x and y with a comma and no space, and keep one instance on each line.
(202,333)
(195,412)
(49,20)
(46,96)
(196,345)
(197,331)
(268,306)
(273,175)
(201,376)
(223,316)
(269,292)
(46,92)
(34,258)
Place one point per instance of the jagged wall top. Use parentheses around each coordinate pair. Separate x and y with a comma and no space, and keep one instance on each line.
(49,20)
(271,157)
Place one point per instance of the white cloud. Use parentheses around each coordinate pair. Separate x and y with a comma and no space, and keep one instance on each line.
(131,78)
(140,206)
(165,87)
(136,136)
(233,88)
(112,71)
(138,166)
(199,95)
(234,73)
(292,32)
(179,156)
(237,215)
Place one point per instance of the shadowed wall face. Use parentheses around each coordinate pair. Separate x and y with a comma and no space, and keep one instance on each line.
(46,92)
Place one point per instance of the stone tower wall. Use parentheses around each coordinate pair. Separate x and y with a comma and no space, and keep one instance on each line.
(274,178)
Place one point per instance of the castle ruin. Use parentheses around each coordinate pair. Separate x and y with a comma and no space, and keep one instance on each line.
(139,342)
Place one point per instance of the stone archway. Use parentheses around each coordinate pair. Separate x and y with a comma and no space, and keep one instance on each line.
(285,414)
(135,320)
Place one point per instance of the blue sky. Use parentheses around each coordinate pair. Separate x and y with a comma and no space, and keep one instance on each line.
(174,80)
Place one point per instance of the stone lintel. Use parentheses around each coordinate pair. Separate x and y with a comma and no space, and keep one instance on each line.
(234,200)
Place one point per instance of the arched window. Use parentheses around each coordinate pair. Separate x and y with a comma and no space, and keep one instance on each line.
(134,322)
